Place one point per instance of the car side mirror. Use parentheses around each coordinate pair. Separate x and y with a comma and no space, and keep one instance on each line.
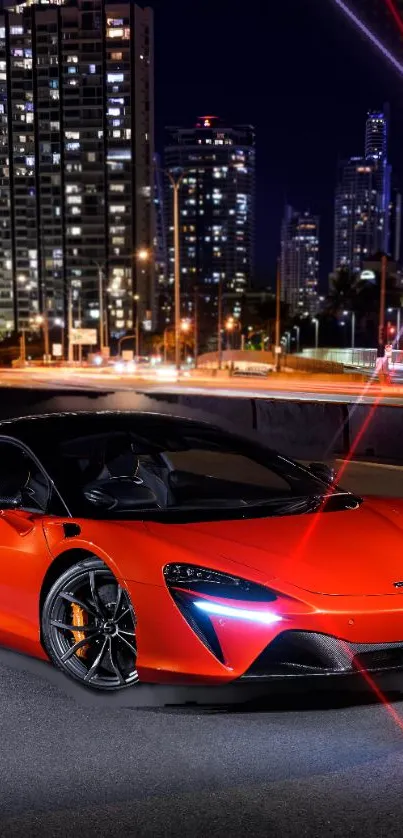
(323,471)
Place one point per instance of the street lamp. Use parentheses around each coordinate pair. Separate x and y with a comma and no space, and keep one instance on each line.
(136,298)
(60,322)
(143,254)
(101,306)
(346,313)
(316,323)
(176,183)
(42,320)
(184,327)
(229,327)
(298,331)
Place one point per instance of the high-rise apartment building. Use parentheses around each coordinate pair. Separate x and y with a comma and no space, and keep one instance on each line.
(217,212)
(299,262)
(76,155)
(362,205)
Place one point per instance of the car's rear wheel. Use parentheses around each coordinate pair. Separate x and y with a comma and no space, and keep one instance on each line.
(89,627)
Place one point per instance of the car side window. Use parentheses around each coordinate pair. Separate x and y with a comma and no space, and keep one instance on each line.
(23,484)
(228,466)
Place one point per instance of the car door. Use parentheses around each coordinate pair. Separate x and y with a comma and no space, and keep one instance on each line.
(25,491)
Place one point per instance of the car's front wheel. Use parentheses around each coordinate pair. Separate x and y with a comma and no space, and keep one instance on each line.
(89,627)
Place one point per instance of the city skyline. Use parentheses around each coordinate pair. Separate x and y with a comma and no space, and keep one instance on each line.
(299,137)
(35,264)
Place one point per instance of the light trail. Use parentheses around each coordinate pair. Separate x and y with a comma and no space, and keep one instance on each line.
(395,14)
(359,24)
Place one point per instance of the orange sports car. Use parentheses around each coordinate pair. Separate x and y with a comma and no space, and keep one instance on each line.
(146,547)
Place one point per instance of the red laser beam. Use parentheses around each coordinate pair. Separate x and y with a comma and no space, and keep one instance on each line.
(315,520)
(375,689)
(395,14)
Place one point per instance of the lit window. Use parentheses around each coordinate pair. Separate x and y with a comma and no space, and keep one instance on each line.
(91,157)
(113,111)
(72,59)
(116,56)
(72,135)
(92,68)
(74,231)
(117,187)
(72,70)
(114,33)
(114,77)
(16,30)
(117,208)
(74,199)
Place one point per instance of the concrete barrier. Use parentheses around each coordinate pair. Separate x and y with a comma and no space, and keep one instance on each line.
(376,431)
(303,430)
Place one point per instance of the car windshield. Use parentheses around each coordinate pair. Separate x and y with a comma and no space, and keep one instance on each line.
(180,473)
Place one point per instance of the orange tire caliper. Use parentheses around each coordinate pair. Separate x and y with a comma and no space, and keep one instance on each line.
(79,618)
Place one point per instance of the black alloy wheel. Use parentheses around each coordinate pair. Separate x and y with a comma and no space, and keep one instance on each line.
(89,627)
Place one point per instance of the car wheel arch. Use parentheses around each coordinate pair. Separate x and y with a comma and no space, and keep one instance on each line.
(62,562)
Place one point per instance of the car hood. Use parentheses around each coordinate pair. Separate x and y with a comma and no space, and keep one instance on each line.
(351,552)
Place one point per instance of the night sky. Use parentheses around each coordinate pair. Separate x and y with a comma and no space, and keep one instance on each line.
(298,72)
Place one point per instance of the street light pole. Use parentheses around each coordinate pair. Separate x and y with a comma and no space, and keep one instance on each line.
(381,327)
(196,325)
(101,308)
(278,315)
(70,325)
(22,346)
(316,323)
(176,182)
(297,329)
(137,329)
(353,330)
(219,324)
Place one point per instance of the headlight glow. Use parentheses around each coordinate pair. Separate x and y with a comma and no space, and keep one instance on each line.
(214,583)
(265,617)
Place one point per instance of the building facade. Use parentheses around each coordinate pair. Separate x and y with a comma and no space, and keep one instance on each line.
(217,213)
(299,261)
(363,196)
(76,155)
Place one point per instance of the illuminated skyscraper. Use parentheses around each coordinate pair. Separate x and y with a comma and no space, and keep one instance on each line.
(362,204)
(300,261)
(76,152)
(376,135)
(217,212)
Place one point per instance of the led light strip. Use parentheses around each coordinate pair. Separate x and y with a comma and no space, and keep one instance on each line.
(266,617)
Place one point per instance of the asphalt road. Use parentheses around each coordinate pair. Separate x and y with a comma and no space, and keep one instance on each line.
(312,761)
(301,389)
(296,764)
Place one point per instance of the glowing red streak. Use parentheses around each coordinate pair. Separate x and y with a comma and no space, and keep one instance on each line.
(315,519)
(375,689)
(395,14)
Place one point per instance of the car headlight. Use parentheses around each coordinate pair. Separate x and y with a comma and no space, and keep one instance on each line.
(214,583)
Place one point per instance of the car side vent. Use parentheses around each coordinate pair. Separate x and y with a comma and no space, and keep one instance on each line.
(71,530)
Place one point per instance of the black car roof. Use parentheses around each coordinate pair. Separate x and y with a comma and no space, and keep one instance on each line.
(62,425)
